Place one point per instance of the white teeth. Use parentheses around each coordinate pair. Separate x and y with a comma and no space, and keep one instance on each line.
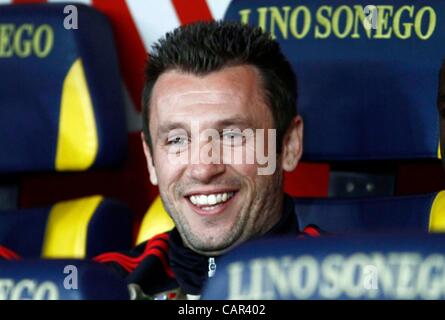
(202,200)
(210,199)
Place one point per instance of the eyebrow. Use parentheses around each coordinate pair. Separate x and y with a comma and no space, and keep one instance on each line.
(169,126)
(239,121)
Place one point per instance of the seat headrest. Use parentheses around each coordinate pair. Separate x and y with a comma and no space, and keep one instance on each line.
(61,103)
(379,267)
(60,280)
(419,213)
(364,93)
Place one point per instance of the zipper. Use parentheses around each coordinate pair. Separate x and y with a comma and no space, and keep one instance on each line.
(212,267)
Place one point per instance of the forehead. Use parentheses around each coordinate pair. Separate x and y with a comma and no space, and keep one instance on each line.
(243,79)
(232,90)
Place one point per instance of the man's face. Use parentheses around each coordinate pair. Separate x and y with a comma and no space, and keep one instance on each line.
(217,205)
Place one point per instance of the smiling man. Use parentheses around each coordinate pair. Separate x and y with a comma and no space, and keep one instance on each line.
(219,128)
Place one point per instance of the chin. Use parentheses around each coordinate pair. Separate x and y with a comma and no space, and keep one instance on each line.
(213,243)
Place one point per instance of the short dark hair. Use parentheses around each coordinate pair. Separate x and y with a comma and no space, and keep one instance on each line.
(205,47)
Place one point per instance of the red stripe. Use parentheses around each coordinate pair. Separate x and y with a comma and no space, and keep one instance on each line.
(130,264)
(113,258)
(311,231)
(153,247)
(164,236)
(8,254)
(189,11)
(134,260)
(127,262)
(130,48)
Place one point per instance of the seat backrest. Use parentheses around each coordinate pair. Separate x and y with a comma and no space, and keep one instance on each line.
(364,93)
(77,228)
(420,213)
(61,109)
(367,83)
(60,280)
(378,267)
(61,106)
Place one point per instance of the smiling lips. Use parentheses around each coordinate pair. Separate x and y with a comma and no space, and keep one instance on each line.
(210,203)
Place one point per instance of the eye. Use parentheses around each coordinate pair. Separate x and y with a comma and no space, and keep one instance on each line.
(177,140)
(233,137)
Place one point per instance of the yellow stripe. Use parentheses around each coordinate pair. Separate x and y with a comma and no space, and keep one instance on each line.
(437,215)
(77,143)
(67,228)
(439,151)
(155,221)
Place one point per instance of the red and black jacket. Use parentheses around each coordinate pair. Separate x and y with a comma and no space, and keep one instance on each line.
(163,263)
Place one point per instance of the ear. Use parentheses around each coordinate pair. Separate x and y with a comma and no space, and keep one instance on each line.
(293,145)
(151,167)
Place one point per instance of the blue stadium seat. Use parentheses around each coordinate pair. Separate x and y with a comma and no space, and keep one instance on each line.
(335,267)
(365,94)
(61,102)
(61,109)
(362,97)
(59,280)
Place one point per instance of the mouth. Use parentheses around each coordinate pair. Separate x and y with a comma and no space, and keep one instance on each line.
(206,204)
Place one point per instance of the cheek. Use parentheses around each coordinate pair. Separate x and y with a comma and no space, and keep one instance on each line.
(166,170)
(245,170)
(249,173)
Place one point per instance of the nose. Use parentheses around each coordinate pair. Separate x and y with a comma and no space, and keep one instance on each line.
(205,173)
(204,170)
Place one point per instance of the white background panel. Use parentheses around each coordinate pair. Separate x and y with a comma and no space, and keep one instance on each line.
(218,8)
(153,18)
